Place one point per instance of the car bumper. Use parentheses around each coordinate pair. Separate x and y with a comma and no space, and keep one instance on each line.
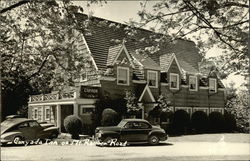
(4,141)
(164,138)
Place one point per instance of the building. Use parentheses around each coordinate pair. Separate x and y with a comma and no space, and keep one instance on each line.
(173,71)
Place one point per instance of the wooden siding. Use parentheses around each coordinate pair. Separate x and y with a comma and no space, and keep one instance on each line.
(200,98)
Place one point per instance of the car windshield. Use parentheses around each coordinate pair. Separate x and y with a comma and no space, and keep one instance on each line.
(122,123)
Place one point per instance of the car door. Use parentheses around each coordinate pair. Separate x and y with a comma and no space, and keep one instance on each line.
(25,130)
(134,132)
(36,129)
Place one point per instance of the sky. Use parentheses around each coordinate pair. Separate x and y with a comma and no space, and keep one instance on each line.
(123,11)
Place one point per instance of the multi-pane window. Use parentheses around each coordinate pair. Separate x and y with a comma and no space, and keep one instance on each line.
(212,85)
(47,113)
(35,113)
(153,79)
(122,76)
(193,85)
(174,81)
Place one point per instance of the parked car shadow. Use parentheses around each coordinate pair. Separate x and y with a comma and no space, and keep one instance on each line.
(146,144)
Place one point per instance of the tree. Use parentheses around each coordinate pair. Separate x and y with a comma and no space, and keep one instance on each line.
(37,37)
(223,24)
(132,104)
(238,106)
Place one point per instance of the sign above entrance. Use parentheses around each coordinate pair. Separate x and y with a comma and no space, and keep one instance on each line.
(89,92)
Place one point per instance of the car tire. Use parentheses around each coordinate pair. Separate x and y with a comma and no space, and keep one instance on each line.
(153,140)
(17,140)
(107,139)
(54,135)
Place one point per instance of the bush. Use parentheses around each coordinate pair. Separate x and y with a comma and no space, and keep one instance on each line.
(73,125)
(181,122)
(216,122)
(109,117)
(200,122)
(167,116)
(230,122)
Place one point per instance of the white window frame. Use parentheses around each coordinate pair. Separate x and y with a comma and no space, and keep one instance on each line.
(45,113)
(83,107)
(127,69)
(178,81)
(156,76)
(35,109)
(196,83)
(209,84)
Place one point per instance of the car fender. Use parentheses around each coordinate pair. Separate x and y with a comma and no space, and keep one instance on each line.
(156,132)
(51,129)
(10,135)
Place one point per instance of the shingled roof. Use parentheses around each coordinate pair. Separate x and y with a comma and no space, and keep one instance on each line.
(105,34)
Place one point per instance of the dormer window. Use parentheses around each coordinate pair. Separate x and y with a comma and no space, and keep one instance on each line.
(193,84)
(174,81)
(212,85)
(152,78)
(122,76)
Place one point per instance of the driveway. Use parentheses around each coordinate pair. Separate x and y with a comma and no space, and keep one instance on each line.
(172,150)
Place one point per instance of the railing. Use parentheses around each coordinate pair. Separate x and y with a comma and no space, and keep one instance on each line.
(52,97)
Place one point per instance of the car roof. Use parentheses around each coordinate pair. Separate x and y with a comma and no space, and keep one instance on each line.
(8,123)
(140,120)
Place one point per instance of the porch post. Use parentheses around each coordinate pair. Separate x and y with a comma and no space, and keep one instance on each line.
(58,118)
(75,109)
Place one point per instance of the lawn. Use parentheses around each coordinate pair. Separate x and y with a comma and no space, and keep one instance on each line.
(227,137)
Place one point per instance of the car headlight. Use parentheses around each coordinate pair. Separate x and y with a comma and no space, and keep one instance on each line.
(99,134)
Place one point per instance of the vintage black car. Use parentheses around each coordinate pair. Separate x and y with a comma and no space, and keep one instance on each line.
(132,131)
(16,130)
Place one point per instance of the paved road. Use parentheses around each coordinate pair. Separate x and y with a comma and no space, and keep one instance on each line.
(168,150)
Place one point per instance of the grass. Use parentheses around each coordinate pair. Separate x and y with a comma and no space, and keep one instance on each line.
(227,137)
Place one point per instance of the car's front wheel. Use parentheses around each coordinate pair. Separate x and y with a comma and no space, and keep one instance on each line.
(153,140)
(17,140)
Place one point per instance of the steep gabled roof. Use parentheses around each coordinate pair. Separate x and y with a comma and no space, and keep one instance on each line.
(106,33)
(145,61)
(113,51)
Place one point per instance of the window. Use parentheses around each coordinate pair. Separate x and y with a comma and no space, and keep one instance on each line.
(122,76)
(174,81)
(23,125)
(33,124)
(47,113)
(193,85)
(153,79)
(35,113)
(212,85)
(86,109)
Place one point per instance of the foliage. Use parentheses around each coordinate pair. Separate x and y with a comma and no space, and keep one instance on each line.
(181,122)
(73,125)
(239,107)
(216,122)
(164,103)
(230,122)
(118,105)
(132,104)
(109,117)
(200,122)
(37,37)
(213,23)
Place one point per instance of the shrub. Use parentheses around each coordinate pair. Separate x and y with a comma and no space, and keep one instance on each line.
(166,116)
(109,117)
(73,125)
(181,122)
(216,122)
(200,122)
(230,122)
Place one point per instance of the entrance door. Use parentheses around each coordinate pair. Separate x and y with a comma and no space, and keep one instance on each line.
(66,110)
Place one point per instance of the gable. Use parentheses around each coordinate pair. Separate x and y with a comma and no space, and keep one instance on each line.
(103,36)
